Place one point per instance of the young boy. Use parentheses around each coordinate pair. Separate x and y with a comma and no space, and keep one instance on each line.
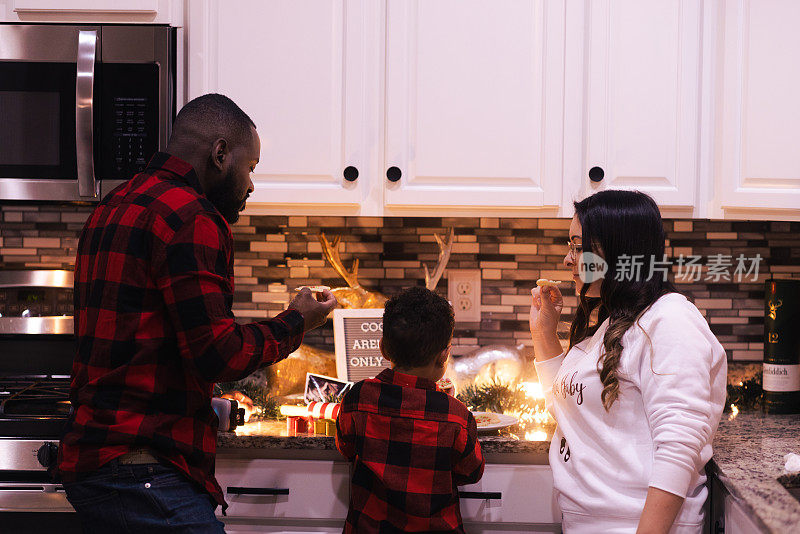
(410,443)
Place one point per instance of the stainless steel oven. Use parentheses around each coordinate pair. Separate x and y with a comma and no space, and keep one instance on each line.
(82,107)
(37,347)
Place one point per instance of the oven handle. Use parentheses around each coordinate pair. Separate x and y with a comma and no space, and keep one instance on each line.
(84,113)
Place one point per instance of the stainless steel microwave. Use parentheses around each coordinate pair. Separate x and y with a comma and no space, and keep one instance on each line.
(82,107)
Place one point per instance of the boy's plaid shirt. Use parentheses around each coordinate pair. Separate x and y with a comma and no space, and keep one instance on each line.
(154,327)
(411,445)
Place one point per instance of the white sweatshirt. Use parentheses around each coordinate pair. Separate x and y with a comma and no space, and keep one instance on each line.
(659,431)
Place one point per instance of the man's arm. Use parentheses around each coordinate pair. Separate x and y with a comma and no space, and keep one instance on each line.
(191,271)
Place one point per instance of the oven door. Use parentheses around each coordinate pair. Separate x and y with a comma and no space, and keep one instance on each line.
(47,93)
(23,496)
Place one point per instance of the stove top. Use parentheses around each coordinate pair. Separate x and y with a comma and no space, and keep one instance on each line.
(33,407)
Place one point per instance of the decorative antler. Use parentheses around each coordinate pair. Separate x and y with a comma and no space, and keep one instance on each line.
(331,251)
(444,255)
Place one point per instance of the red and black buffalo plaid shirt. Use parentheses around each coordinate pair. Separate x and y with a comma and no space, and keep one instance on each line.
(411,444)
(154,327)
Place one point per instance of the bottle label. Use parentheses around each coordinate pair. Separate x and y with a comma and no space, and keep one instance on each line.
(781,377)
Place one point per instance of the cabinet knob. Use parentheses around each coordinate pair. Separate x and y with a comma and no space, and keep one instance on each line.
(393,174)
(350,174)
(596,174)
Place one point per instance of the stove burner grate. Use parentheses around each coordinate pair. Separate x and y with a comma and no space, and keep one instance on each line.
(34,398)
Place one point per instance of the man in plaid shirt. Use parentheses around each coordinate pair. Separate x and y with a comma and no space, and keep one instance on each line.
(410,443)
(155,330)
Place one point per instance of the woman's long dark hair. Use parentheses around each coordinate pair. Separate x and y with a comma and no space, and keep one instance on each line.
(619,225)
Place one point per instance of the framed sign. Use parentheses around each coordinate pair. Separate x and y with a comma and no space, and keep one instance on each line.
(321,388)
(356,334)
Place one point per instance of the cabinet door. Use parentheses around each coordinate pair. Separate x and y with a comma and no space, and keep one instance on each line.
(474,102)
(299,69)
(737,520)
(640,92)
(497,497)
(759,164)
(77,6)
(284,489)
(93,11)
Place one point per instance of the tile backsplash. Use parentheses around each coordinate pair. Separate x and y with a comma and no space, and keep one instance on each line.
(276,254)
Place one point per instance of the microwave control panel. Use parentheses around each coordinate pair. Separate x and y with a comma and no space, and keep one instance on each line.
(129,119)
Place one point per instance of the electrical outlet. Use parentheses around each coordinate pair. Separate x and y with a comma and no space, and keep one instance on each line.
(464,293)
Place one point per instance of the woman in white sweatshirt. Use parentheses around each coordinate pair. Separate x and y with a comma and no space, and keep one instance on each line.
(639,394)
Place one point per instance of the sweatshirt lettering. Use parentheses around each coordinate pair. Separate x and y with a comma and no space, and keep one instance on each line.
(572,389)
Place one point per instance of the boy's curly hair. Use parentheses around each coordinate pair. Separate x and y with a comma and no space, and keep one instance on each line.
(417,325)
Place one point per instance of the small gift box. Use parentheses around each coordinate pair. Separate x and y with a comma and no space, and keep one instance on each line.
(320,427)
(296,425)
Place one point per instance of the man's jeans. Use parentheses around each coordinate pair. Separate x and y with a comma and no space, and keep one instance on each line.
(146,498)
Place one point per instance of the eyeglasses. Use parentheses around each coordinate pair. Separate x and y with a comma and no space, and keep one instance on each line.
(574,249)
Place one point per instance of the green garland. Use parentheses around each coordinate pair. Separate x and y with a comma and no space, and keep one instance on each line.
(499,398)
(265,407)
(746,396)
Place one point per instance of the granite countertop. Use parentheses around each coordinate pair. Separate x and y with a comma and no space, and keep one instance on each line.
(748,459)
(273,435)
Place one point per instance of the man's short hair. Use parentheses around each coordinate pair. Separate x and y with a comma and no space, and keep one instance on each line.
(213,116)
(417,326)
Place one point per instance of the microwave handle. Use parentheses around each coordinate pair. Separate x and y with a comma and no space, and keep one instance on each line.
(84,113)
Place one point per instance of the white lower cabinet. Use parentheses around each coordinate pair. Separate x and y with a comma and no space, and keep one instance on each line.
(737,520)
(270,495)
(511,498)
(726,514)
(267,495)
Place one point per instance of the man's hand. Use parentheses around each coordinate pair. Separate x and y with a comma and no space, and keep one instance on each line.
(314,310)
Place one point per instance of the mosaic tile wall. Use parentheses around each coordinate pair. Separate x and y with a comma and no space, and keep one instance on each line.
(276,254)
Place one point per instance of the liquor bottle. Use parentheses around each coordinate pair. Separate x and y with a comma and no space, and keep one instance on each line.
(781,379)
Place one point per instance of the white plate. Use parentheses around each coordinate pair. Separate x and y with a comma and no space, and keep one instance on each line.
(505,420)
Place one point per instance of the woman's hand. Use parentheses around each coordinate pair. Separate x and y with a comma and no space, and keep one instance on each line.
(546,306)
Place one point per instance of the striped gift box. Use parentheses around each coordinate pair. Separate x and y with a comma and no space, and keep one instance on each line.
(324,410)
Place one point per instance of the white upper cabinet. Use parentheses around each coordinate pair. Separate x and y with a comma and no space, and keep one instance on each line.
(300,70)
(758,165)
(93,11)
(468,107)
(634,69)
(474,103)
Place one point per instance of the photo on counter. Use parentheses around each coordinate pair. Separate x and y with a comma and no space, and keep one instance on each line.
(321,388)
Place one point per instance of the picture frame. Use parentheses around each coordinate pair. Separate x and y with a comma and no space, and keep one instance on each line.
(321,388)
